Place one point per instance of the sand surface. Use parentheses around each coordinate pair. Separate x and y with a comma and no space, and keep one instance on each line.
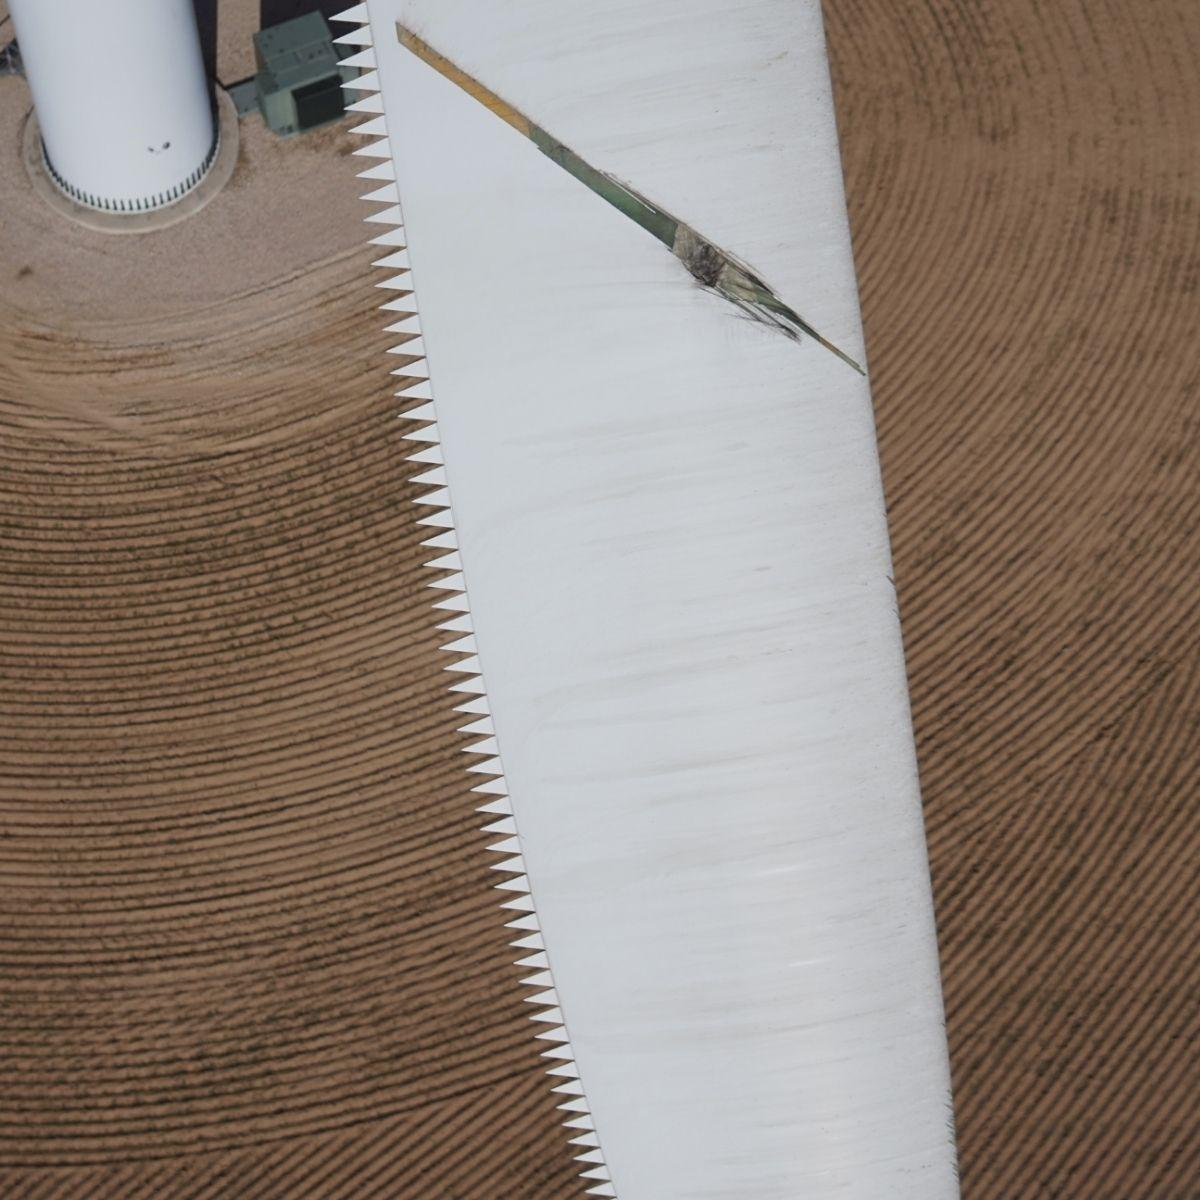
(1022,184)
(249,945)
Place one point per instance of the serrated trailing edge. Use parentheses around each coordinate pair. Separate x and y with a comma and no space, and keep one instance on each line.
(420,406)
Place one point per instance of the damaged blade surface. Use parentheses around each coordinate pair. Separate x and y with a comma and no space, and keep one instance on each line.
(672,534)
(706,262)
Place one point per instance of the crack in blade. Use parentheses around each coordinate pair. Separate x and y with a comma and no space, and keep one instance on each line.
(706,262)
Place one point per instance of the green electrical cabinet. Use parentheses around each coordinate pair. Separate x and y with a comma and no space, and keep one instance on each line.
(299,80)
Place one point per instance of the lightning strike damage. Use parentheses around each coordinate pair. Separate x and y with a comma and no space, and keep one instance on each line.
(706,262)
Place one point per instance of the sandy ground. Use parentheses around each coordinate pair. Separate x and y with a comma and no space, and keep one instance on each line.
(1022,184)
(249,949)
(250,941)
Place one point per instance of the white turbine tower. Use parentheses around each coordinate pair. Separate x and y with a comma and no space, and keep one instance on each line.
(122,102)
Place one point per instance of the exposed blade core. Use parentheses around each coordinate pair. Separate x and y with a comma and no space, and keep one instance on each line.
(706,262)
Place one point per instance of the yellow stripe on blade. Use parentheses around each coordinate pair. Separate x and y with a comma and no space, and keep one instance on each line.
(443,66)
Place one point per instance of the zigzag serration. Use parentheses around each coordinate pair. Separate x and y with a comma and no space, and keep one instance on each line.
(444,558)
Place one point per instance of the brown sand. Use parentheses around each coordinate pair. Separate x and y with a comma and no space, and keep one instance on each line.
(249,947)
(1023,183)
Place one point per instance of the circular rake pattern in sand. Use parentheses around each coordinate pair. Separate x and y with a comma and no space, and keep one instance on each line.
(251,945)
(249,948)
(1022,181)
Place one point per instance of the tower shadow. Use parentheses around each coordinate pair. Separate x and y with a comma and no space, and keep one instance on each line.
(206,22)
(272,12)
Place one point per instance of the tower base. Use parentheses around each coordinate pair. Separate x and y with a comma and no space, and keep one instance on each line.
(191,202)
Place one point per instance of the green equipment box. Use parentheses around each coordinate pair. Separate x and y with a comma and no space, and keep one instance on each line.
(299,80)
